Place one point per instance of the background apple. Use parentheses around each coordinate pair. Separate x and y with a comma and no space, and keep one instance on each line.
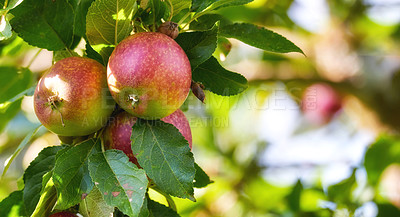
(320,102)
(149,75)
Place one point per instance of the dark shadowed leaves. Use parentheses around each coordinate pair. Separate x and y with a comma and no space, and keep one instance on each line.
(81,8)
(157,209)
(91,53)
(386,209)
(33,175)
(45,24)
(153,11)
(201,178)
(12,205)
(198,46)
(219,80)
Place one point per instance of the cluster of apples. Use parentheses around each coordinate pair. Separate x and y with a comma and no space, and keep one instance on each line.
(148,75)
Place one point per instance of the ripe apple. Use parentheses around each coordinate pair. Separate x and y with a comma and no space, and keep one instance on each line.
(63,214)
(117,134)
(149,75)
(72,98)
(320,102)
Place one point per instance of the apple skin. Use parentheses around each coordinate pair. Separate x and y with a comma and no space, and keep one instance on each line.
(153,69)
(117,134)
(320,102)
(63,214)
(77,87)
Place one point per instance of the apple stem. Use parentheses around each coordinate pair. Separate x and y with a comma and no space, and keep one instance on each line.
(52,102)
(134,98)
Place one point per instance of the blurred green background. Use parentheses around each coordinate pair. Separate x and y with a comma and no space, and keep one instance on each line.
(264,151)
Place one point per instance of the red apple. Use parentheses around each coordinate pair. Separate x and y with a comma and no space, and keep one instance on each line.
(63,214)
(149,75)
(117,134)
(72,98)
(320,102)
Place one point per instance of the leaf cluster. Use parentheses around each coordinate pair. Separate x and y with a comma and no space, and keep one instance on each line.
(83,176)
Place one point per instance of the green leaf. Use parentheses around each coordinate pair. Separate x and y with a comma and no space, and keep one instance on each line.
(199,5)
(109,21)
(180,5)
(201,178)
(21,146)
(45,24)
(165,155)
(91,53)
(342,192)
(62,54)
(219,80)
(157,209)
(28,92)
(14,47)
(47,176)
(71,175)
(385,210)
(144,211)
(224,46)
(95,206)
(8,112)
(259,37)
(122,184)
(294,197)
(198,46)
(207,21)
(153,12)
(5,28)
(385,151)
(33,175)
(81,8)
(105,52)
(12,205)
(48,197)
(13,81)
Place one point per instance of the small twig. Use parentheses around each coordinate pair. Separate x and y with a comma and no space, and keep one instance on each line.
(5,4)
(62,119)
(184,18)
(169,199)
(70,52)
